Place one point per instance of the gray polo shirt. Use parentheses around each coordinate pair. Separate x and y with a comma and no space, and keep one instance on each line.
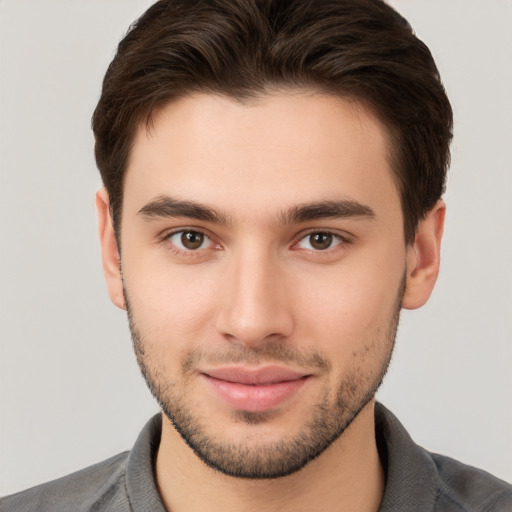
(416,480)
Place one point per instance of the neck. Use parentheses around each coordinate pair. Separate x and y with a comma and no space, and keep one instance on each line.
(346,476)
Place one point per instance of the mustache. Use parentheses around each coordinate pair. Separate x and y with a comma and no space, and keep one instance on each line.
(269,352)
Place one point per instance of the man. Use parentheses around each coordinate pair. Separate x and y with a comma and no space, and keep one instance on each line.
(273,176)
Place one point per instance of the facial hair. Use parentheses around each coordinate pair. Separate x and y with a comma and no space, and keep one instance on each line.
(327,420)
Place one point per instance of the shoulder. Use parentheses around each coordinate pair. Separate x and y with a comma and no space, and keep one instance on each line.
(466,488)
(420,480)
(98,487)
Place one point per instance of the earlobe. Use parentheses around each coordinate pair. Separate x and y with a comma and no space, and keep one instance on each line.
(109,250)
(423,258)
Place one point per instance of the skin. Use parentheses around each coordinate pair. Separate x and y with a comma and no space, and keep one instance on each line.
(257,283)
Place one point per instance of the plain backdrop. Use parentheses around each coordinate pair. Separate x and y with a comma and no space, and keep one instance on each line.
(70,390)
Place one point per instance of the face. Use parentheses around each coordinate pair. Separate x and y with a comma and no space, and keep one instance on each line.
(263,263)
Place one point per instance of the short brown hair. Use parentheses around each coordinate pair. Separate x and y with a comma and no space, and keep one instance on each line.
(362,49)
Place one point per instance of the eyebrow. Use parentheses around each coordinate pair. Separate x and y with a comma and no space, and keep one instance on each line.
(169,207)
(338,209)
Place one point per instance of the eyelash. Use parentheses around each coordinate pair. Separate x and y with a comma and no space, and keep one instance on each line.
(186,252)
(341,241)
(337,240)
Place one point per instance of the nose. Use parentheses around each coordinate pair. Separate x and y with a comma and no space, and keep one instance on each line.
(255,303)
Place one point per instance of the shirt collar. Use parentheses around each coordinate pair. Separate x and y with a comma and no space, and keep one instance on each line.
(412,480)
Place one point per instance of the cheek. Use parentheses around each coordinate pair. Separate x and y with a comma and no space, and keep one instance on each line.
(172,307)
(349,312)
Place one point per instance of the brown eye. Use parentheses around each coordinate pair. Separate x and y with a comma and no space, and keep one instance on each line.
(190,240)
(320,241)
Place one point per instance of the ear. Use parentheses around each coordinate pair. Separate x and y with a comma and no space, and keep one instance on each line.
(423,258)
(109,250)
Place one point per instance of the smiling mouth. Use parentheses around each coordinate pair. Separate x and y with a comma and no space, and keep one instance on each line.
(255,390)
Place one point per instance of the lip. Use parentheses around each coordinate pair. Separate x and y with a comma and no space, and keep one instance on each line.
(255,389)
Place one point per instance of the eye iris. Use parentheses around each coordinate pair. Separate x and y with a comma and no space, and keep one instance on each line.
(321,241)
(192,239)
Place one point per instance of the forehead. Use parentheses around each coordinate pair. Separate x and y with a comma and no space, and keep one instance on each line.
(272,152)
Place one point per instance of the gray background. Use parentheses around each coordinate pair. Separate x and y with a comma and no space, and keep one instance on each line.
(70,391)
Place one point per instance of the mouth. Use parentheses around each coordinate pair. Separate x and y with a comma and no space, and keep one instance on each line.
(255,389)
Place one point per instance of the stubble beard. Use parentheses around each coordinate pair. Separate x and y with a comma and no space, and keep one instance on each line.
(327,421)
